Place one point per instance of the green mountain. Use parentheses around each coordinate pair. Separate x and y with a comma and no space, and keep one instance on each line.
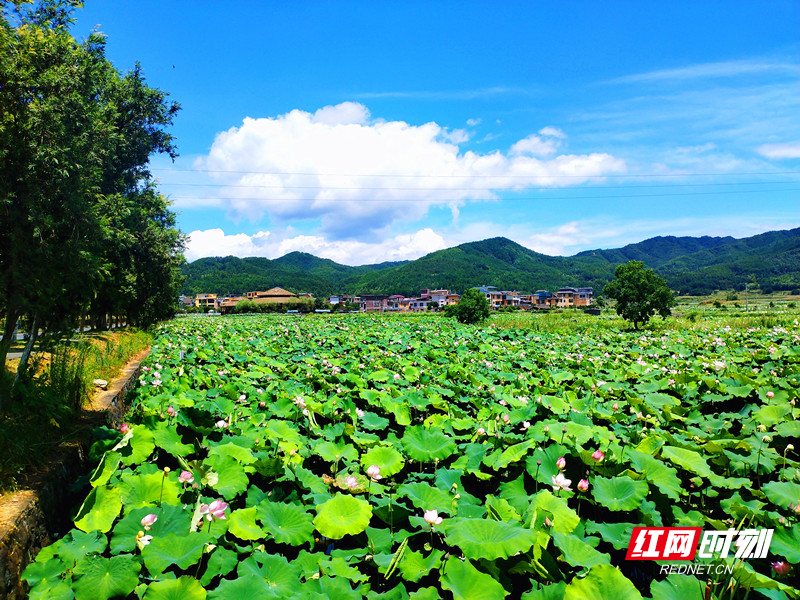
(690,265)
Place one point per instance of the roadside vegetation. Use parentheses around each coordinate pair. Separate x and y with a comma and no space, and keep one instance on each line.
(60,385)
(86,240)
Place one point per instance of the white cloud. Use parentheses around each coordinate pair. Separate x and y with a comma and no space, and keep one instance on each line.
(474,122)
(214,242)
(357,175)
(553,132)
(779,151)
(733,68)
(535,146)
(346,113)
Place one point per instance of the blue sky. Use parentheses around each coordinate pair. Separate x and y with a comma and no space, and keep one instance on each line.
(372,131)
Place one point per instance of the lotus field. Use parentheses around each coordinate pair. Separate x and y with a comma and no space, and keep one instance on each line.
(381,457)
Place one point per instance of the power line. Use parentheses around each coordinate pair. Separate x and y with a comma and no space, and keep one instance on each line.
(435,200)
(450,189)
(632,176)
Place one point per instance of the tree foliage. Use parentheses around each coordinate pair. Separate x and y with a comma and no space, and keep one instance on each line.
(639,293)
(472,308)
(84,231)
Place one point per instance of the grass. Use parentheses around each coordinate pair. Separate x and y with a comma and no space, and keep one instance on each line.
(685,316)
(46,411)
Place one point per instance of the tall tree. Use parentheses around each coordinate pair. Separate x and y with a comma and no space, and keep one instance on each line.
(639,293)
(82,227)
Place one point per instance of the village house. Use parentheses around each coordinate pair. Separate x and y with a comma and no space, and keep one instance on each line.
(206,301)
(373,303)
(498,298)
(566,297)
(444,297)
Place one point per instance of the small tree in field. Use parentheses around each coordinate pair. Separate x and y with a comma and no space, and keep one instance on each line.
(639,293)
(472,307)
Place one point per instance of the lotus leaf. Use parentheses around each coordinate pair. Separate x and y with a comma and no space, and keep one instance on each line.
(387,458)
(280,577)
(468,583)
(242,524)
(415,565)
(173,549)
(602,582)
(577,552)
(484,538)
(677,587)
(662,476)
(182,588)
(100,509)
(287,523)
(149,489)
(102,578)
(425,445)
(619,493)
(342,515)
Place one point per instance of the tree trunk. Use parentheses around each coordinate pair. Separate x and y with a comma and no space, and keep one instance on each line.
(26,353)
(12,317)
(8,334)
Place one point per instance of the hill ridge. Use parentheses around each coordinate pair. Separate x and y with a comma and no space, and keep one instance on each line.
(693,265)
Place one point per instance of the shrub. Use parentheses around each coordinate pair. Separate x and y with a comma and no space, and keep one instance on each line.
(639,293)
(472,308)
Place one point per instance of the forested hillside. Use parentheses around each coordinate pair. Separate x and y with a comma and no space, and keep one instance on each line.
(690,265)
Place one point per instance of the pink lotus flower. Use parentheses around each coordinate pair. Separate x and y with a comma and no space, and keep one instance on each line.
(561,463)
(186,477)
(781,567)
(770,394)
(615,406)
(561,483)
(598,455)
(359,413)
(148,520)
(583,485)
(300,402)
(221,424)
(124,428)
(432,518)
(351,482)
(171,411)
(506,419)
(526,424)
(215,510)
(142,540)
(374,472)
(396,376)
(262,404)
(481,431)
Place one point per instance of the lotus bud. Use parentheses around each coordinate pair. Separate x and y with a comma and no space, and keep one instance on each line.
(781,567)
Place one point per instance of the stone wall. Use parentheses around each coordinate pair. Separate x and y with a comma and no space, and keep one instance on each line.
(32,519)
